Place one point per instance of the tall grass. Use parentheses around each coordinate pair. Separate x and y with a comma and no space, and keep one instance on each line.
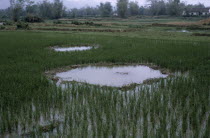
(29,103)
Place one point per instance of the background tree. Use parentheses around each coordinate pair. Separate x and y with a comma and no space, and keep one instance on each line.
(5,13)
(46,9)
(157,7)
(133,8)
(105,9)
(58,9)
(16,7)
(83,12)
(142,10)
(122,8)
(73,13)
(175,7)
(91,11)
(31,8)
(190,6)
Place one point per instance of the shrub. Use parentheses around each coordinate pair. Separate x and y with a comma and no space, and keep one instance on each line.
(135,26)
(57,22)
(8,22)
(76,23)
(22,25)
(33,19)
(2,27)
(89,23)
(97,24)
(85,23)
(92,24)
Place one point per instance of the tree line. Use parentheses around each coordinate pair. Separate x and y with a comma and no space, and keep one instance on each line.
(123,9)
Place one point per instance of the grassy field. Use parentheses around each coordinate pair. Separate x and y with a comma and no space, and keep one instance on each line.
(30,105)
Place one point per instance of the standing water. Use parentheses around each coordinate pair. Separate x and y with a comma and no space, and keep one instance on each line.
(181,31)
(65,49)
(116,76)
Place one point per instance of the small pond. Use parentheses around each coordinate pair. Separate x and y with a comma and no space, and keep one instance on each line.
(181,31)
(115,76)
(184,31)
(78,48)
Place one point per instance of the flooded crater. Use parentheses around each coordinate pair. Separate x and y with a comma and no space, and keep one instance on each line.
(75,48)
(114,76)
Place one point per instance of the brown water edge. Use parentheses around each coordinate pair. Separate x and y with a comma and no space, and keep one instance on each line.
(50,74)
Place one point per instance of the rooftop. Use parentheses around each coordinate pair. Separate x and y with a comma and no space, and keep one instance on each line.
(199,10)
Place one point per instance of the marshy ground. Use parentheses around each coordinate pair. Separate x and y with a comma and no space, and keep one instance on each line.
(31,105)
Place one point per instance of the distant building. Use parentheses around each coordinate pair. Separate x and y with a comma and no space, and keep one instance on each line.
(1,23)
(197,12)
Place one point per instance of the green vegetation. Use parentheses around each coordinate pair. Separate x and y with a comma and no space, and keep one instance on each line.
(2,27)
(33,19)
(22,25)
(122,8)
(32,105)
(55,9)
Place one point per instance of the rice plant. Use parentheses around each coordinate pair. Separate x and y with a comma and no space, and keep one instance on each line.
(31,105)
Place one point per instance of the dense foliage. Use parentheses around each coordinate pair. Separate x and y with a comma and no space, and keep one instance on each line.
(124,8)
(22,25)
(33,18)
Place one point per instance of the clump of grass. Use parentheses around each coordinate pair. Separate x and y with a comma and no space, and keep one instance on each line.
(135,26)
(2,27)
(9,23)
(23,25)
(57,22)
(85,23)
(48,128)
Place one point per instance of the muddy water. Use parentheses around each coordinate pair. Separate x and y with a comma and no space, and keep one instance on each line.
(65,49)
(116,76)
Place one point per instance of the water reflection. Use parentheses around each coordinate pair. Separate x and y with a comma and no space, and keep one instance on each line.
(65,49)
(116,76)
